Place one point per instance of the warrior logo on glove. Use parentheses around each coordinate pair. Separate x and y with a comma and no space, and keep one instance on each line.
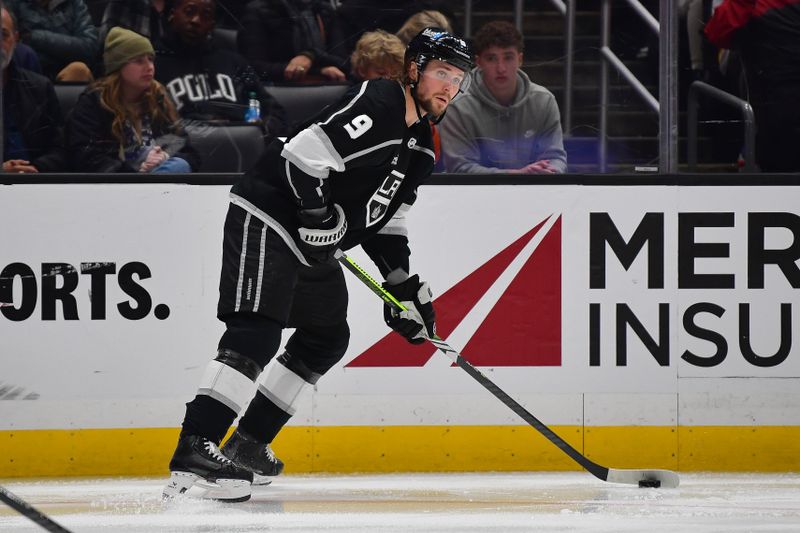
(321,231)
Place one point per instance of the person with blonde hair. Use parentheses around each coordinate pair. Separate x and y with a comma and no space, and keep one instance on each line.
(378,54)
(421,20)
(125,121)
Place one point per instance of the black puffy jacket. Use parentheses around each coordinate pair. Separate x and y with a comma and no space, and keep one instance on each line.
(34,105)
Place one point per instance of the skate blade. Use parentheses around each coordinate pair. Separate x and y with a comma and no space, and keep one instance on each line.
(262,481)
(186,484)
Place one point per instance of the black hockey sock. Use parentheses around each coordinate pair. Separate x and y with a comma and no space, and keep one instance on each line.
(263,419)
(207,418)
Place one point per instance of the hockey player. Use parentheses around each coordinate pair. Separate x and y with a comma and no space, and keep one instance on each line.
(345,180)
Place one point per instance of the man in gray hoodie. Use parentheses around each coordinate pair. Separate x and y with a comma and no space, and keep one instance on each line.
(504,122)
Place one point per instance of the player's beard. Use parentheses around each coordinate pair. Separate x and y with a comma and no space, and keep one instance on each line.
(432,106)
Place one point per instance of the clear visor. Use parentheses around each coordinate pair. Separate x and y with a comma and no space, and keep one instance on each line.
(465,84)
(458,81)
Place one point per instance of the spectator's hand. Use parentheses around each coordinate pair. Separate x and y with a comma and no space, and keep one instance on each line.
(155,157)
(539,167)
(333,73)
(19,166)
(298,68)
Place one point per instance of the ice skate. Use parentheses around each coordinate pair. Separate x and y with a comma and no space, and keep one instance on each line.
(198,468)
(257,457)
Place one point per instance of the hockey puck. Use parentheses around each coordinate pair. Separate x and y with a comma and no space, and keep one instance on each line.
(649,483)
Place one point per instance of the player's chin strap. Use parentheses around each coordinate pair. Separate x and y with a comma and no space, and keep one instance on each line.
(413,86)
(436,120)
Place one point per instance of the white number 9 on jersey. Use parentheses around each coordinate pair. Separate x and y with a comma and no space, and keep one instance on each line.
(358,126)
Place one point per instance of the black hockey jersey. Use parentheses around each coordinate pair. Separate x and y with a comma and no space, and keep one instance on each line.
(358,153)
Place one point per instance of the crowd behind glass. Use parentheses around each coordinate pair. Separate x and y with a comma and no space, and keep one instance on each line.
(157,85)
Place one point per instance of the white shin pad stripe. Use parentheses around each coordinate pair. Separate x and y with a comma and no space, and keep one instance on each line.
(226,385)
(242,259)
(282,387)
(261,256)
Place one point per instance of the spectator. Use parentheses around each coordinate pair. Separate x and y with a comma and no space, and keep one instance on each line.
(205,81)
(378,54)
(145,17)
(768,35)
(125,122)
(61,33)
(421,20)
(289,41)
(504,122)
(31,114)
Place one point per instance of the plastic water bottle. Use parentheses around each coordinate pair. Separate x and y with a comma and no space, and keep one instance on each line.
(253,113)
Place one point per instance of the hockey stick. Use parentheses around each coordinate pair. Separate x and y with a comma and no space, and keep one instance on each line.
(30,512)
(643,478)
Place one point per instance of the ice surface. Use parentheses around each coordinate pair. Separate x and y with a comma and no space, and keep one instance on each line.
(485,502)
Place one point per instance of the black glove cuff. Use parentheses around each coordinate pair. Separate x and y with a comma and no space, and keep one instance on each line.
(407,290)
(317,218)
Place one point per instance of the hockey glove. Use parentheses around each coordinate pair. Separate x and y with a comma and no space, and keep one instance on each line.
(417,298)
(320,232)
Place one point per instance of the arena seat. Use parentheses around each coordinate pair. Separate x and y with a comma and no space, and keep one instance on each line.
(67,94)
(303,102)
(225,38)
(226,149)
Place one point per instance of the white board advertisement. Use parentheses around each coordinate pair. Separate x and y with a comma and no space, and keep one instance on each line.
(601,305)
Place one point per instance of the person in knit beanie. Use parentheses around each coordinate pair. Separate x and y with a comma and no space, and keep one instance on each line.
(121,46)
(125,121)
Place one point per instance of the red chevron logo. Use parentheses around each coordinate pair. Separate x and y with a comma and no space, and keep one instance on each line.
(523,328)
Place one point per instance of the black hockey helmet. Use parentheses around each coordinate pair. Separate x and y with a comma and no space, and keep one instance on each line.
(436,43)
